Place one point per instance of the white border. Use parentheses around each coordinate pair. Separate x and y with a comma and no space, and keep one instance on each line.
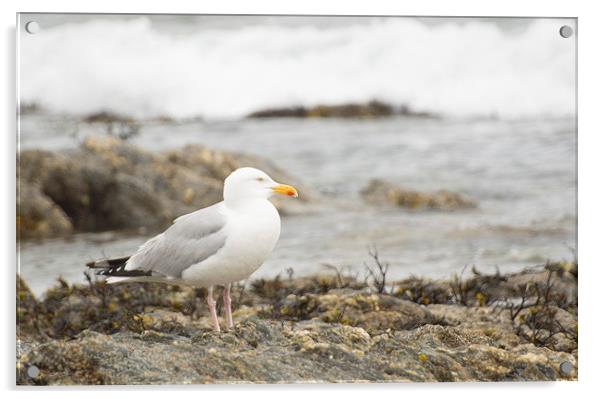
(590,201)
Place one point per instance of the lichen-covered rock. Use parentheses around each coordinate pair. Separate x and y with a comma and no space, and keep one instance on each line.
(37,215)
(109,184)
(372,312)
(381,192)
(263,351)
(68,310)
(314,329)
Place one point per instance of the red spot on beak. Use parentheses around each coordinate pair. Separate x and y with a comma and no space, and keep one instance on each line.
(285,189)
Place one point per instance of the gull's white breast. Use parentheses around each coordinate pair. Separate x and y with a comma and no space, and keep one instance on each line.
(252,231)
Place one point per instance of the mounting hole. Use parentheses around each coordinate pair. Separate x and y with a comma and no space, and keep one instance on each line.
(33,371)
(32,27)
(566,31)
(566,367)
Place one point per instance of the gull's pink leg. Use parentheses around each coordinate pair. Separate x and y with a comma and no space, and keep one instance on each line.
(211,304)
(228,306)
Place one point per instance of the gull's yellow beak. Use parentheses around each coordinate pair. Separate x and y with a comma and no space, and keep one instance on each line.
(285,190)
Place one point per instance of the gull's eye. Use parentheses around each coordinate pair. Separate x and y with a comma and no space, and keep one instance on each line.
(260,179)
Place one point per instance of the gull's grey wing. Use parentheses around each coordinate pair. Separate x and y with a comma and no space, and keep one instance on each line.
(191,239)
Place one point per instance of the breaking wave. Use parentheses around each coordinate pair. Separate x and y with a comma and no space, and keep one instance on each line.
(131,66)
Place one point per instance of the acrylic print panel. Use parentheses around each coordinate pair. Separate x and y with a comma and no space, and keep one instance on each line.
(422,173)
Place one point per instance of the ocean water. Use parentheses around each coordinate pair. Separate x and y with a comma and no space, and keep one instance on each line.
(226,67)
(521,173)
(506,136)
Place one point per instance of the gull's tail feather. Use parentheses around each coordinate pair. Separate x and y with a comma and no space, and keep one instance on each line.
(115,269)
(142,278)
(114,280)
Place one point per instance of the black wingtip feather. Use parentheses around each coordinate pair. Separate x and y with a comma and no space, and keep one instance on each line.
(115,267)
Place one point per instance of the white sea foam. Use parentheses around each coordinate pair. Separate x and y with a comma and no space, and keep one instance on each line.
(133,67)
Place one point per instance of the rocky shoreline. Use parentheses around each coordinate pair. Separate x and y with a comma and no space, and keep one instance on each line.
(328,328)
(371,109)
(109,184)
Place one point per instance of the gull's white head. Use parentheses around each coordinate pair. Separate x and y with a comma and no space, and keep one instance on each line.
(250,183)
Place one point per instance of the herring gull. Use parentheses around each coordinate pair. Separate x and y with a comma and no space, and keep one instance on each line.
(218,245)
